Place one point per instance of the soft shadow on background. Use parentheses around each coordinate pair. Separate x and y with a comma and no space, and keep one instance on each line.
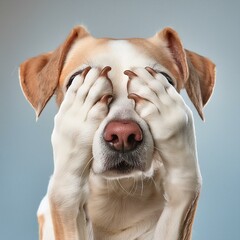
(30,27)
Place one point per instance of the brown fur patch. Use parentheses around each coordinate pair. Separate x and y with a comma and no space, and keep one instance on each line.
(39,75)
(78,55)
(41,222)
(186,233)
(152,49)
(58,226)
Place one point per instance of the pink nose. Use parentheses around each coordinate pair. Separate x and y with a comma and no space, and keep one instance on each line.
(123,135)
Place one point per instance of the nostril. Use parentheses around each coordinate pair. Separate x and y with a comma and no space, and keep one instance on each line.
(114,138)
(131,142)
(131,139)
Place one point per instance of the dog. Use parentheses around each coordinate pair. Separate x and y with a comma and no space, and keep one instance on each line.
(125,158)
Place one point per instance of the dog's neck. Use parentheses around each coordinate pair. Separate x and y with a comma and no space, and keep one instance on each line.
(135,199)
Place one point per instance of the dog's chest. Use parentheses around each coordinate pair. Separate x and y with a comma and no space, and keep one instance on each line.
(121,208)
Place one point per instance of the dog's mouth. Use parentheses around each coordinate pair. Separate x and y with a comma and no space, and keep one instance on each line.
(123,163)
(122,168)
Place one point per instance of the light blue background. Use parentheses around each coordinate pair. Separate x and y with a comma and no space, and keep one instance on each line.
(29,27)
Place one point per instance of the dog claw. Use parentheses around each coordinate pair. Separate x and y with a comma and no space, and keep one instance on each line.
(104,72)
(151,71)
(130,74)
(106,99)
(135,97)
(85,71)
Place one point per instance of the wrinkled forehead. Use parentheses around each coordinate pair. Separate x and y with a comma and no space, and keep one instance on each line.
(119,54)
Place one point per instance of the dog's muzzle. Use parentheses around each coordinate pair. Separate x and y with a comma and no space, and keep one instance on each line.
(123,139)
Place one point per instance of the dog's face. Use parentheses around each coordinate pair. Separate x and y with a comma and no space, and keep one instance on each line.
(133,155)
(123,143)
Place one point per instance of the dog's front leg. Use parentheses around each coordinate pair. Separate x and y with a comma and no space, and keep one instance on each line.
(83,108)
(171,124)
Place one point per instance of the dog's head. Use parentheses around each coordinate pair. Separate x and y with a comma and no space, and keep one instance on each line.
(123,135)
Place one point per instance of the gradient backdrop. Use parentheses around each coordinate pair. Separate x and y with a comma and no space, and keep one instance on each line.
(29,27)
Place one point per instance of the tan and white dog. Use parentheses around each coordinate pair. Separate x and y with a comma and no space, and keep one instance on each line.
(125,158)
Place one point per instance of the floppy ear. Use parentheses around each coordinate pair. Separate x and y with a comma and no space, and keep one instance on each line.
(197,73)
(39,75)
(201,80)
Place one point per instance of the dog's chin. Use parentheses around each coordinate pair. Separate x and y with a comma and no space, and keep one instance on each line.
(123,165)
(120,175)
(122,169)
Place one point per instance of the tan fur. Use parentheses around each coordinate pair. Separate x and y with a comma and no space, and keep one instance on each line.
(151,48)
(186,233)
(41,221)
(39,76)
(77,56)
(58,225)
(169,41)
(201,81)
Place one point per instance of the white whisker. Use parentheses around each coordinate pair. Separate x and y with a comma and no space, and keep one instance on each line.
(128,193)
(154,182)
(158,150)
(90,160)
(142,184)
(134,187)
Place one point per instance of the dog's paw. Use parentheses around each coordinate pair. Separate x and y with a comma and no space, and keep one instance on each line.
(170,122)
(84,107)
(158,103)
